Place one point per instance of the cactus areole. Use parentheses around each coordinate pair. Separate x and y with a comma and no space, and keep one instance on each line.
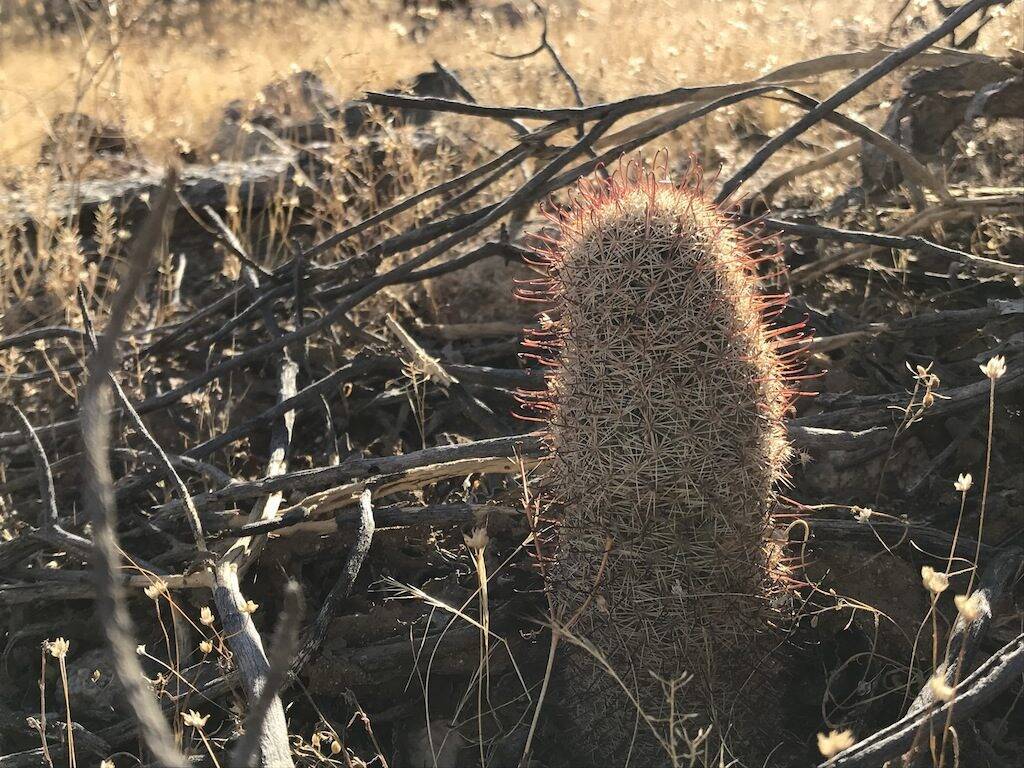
(665,403)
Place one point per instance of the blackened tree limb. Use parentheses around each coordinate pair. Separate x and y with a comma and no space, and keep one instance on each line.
(39,334)
(364,468)
(271,748)
(897,242)
(863,411)
(343,586)
(253,668)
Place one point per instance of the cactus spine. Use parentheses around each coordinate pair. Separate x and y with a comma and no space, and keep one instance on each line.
(665,406)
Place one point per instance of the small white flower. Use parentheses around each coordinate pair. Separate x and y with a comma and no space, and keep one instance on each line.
(863,514)
(58,648)
(249,607)
(478,539)
(994,368)
(206,646)
(206,616)
(194,719)
(963,483)
(834,742)
(968,607)
(157,588)
(941,690)
(934,581)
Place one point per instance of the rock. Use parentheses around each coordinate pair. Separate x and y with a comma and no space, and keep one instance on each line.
(300,110)
(93,686)
(934,104)
(257,182)
(508,14)
(436,82)
(295,110)
(76,137)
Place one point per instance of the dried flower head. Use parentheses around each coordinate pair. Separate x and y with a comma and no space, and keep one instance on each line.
(107,763)
(863,514)
(157,588)
(205,646)
(969,607)
(478,539)
(249,607)
(934,581)
(206,616)
(834,742)
(963,483)
(194,719)
(994,368)
(941,690)
(58,648)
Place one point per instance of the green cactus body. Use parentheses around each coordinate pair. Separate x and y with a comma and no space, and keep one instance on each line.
(665,407)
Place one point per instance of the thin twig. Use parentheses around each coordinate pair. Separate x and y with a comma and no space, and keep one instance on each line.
(545,45)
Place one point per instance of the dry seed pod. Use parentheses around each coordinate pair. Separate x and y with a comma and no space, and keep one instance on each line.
(665,408)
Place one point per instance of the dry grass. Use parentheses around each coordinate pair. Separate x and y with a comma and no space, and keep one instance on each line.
(166,75)
(167,81)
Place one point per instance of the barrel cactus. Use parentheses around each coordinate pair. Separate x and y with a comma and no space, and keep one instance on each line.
(665,405)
